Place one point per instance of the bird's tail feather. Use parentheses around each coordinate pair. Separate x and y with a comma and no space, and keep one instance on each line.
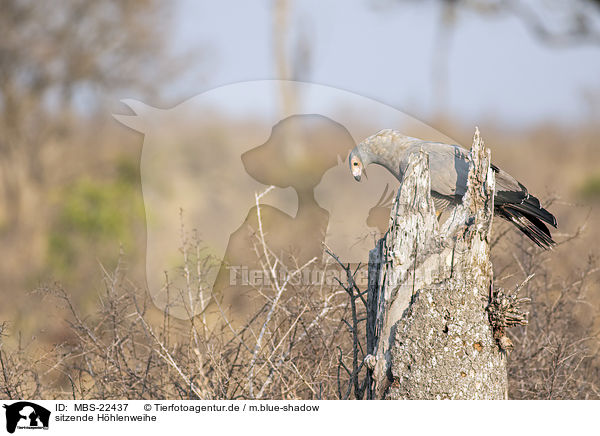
(530,218)
(531,205)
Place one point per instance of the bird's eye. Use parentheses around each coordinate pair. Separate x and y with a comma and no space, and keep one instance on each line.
(355,163)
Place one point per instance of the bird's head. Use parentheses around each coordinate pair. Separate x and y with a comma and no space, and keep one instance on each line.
(356,164)
(383,148)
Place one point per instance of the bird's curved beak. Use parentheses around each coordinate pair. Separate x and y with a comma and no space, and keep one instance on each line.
(358,173)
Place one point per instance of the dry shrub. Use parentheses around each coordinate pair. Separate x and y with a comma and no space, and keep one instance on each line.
(555,356)
(300,343)
(19,377)
(129,349)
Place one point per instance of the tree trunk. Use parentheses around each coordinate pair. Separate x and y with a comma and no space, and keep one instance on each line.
(429,335)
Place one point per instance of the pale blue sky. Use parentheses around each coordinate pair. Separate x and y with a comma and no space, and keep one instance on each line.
(496,69)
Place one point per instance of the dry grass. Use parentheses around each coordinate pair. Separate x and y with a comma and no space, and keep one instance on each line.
(298,345)
(555,355)
(127,350)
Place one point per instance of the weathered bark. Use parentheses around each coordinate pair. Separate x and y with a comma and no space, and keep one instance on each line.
(429,335)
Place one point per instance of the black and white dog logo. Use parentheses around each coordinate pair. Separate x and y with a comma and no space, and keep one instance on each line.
(26,415)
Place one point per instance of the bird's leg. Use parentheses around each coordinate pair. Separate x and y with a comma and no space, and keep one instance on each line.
(438,214)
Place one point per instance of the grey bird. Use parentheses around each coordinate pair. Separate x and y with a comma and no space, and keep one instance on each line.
(449,168)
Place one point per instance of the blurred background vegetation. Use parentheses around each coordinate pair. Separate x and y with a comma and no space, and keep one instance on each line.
(70,192)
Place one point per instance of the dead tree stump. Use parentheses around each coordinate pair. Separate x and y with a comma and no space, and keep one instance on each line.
(428,332)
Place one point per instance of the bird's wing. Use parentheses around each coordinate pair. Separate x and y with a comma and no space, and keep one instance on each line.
(510,189)
(449,170)
(448,166)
